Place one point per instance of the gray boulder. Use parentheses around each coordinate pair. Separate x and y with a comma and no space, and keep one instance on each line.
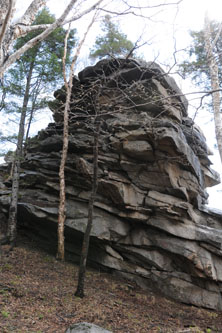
(86,328)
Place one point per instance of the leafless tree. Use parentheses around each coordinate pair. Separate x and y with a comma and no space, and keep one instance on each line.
(68,85)
(85,245)
(216,93)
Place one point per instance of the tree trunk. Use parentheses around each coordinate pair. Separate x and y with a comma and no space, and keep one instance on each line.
(29,126)
(12,220)
(32,113)
(214,84)
(85,246)
(62,194)
(62,188)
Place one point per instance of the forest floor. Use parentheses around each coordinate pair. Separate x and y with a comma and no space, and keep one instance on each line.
(37,296)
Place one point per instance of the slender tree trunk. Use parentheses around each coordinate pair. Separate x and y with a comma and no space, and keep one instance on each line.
(28,129)
(85,245)
(62,194)
(216,99)
(29,126)
(36,93)
(31,114)
(12,220)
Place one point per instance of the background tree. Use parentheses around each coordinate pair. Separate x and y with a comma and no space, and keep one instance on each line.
(212,63)
(38,70)
(205,68)
(197,66)
(113,43)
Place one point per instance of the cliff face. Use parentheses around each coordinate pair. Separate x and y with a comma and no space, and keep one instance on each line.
(150,224)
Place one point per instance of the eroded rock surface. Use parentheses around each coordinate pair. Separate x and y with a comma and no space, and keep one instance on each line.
(150,223)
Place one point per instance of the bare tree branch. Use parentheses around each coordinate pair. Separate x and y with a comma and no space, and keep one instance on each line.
(153,6)
(12,58)
(22,30)
(90,9)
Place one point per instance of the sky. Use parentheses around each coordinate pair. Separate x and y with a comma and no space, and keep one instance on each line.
(166,29)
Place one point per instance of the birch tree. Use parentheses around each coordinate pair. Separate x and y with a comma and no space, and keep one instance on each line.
(195,66)
(214,79)
(62,192)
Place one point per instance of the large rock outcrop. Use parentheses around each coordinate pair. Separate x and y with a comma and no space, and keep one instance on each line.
(150,223)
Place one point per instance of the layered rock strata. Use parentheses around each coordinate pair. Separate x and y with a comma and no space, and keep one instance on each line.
(150,223)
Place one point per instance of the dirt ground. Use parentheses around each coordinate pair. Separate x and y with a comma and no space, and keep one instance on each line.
(37,296)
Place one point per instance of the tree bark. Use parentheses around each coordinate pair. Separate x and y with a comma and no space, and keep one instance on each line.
(62,187)
(12,220)
(214,84)
(34,97)
(62,193)
(6,13)
(85,245)
(30,13)
(29,126)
